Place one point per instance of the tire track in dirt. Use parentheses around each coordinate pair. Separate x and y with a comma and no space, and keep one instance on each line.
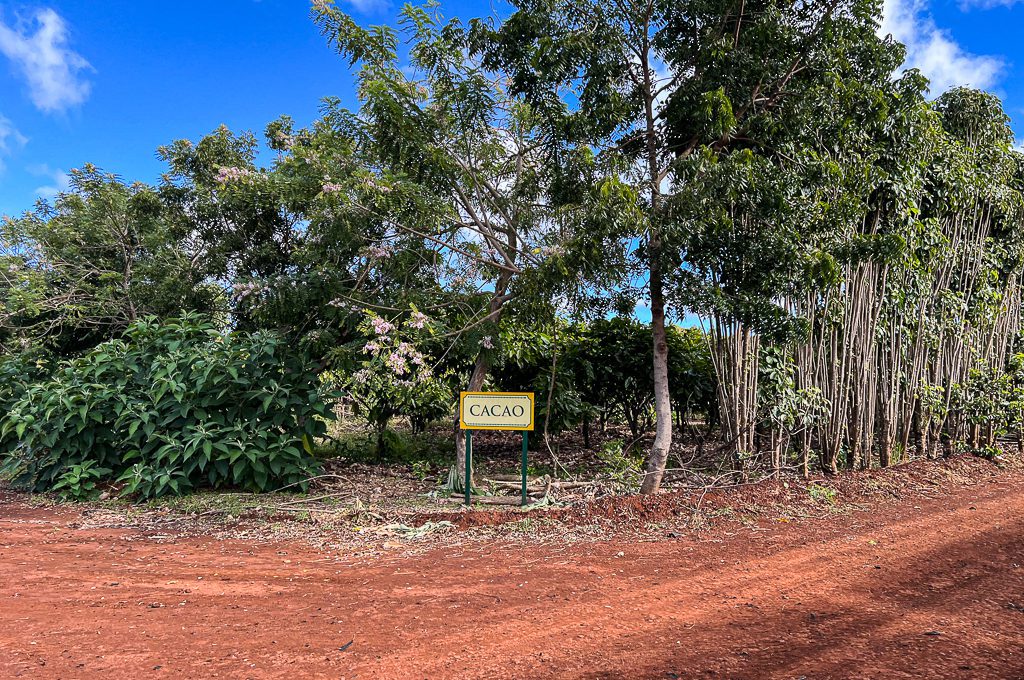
(820,573)
(847,596)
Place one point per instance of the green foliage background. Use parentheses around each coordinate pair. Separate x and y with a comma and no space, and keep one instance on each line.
(173,406)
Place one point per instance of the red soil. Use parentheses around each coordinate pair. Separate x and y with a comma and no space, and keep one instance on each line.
(927,586)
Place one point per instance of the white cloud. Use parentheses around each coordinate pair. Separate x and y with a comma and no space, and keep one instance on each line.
(369,6)
(642,309)
(52,70)
(10,139)
(929,48)
(966,5)
(59,180)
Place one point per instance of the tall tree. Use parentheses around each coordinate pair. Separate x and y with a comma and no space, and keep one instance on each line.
(79,270)
(666,86)
(467,176)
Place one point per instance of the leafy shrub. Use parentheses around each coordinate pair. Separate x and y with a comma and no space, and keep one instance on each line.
(17,372)
(79,482)
(421,469)
(173,406)
(391,445)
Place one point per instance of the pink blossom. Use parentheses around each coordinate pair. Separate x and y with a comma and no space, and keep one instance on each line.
(487,342)
(418,320)
(285,140)
(381,327)
(371,347)
(244,290)
(378,252)
(371,183)
(230,174)
(398,363)
(331,188)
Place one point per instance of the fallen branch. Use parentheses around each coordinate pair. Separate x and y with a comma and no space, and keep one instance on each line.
(343,494)
(484,500)
(535,484)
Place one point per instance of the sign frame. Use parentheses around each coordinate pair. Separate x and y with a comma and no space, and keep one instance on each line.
(469,438)
(496,395)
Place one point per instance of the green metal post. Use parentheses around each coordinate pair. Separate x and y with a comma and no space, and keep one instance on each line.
(526,436)
(469,466)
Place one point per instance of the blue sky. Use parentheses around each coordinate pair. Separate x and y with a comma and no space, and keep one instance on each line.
(108,81)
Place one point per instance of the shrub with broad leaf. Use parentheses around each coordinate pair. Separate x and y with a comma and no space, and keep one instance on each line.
(171,407)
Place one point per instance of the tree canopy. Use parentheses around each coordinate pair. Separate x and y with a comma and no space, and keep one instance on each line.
(843,251)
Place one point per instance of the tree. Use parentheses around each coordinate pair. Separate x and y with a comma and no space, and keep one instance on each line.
(79,271)
(468,181)
(668,88)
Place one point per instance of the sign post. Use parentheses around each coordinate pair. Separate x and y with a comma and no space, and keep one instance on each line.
(495,411)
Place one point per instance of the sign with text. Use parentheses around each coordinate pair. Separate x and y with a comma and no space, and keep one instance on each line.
(496,410)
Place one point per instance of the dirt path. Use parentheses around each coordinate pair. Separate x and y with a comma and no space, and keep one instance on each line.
(927,587)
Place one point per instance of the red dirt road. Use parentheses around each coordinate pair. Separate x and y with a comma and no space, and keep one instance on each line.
(926,587)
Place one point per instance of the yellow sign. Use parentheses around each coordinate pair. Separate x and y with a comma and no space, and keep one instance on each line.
(496,410)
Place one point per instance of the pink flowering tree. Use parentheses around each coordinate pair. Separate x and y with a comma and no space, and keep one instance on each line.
(394,377)
(300,244)
(461,176)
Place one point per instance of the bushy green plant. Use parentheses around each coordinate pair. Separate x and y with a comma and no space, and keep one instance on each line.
(822,494)
(172,406)
(79,481)
(421,469)
(16,373)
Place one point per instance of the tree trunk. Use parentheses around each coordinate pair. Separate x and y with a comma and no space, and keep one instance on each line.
(776,441)
(885,452)
(805,453)
(920,426)
(658,457)
(378,454)
(830,460)
(853,455)
(476,382)
(480,370)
